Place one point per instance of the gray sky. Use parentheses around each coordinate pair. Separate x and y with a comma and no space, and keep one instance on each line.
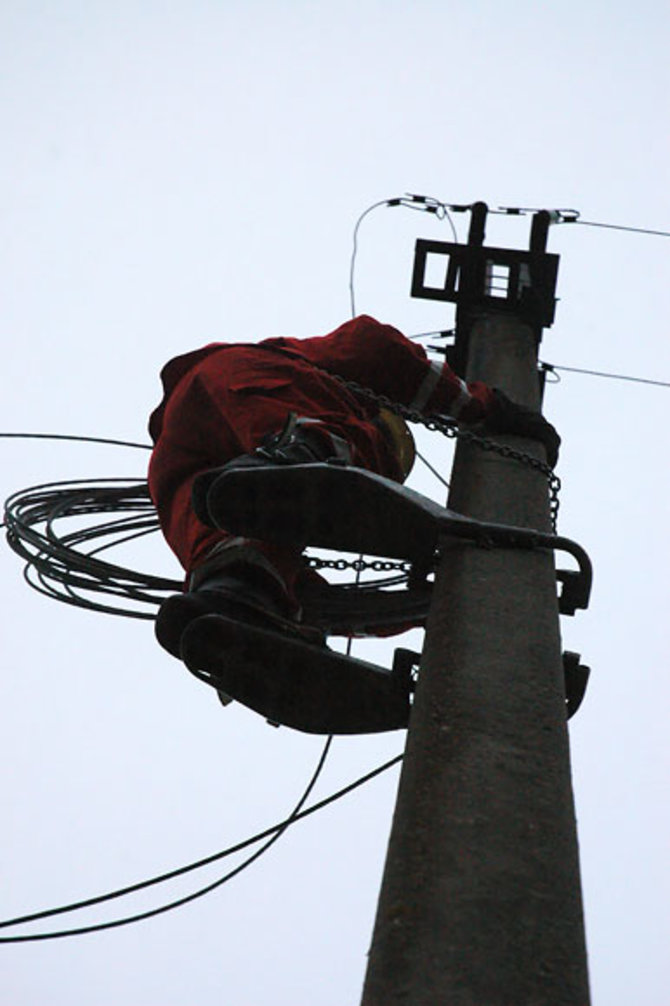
(174,174)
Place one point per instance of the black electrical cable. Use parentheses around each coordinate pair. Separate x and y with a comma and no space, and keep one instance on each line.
(191,897)
(276,831)
(67,567)
(52,559)
(276,834)
(66,436)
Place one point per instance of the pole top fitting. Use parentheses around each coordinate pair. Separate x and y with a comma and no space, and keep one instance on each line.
(477,233)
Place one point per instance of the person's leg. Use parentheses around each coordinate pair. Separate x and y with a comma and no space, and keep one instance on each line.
(219,416)
(242,577)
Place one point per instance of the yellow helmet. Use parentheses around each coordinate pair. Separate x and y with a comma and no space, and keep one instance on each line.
(401,438)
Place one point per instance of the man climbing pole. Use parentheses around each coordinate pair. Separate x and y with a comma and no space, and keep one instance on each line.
(279,402)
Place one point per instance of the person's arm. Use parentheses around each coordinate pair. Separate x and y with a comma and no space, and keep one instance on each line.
(380,357)
(383,359)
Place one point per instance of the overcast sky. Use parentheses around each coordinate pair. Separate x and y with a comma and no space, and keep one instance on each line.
(174,174)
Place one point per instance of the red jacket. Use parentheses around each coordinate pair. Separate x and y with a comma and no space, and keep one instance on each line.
(222,400)
(363,350)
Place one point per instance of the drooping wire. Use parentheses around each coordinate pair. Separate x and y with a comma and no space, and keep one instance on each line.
(275,832)
(354,251)
(426,204)
(413,202)
(59,569)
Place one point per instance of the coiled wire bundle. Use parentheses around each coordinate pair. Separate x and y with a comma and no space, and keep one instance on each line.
(65,565)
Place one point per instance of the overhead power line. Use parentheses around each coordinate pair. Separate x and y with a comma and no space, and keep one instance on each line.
(443,210)
(621,227)
(602,373)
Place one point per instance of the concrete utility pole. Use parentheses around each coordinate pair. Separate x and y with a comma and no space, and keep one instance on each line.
(481,901)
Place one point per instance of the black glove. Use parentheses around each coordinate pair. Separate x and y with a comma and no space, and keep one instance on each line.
(506,416)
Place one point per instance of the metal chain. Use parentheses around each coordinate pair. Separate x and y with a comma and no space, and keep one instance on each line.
(360,565)
(449,428)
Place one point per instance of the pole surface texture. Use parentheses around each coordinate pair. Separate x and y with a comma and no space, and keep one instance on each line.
(481,898)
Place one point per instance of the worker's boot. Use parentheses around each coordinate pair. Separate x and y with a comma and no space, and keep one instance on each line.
(295,683)
(239,631)
(237,581)
(302,441)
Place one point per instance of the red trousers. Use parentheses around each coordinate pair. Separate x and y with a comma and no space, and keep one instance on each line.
(224,406)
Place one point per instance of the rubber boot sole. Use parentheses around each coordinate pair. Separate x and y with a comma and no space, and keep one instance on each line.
(295,683)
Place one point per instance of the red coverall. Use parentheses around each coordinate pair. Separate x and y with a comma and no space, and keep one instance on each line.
(222,400)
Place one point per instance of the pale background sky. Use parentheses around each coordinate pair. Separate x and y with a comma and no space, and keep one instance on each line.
(177,173)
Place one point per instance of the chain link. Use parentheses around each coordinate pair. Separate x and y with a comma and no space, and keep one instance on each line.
(360,565)
(449,428)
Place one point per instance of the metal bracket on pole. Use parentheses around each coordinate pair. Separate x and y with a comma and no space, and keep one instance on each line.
(476,277)
(576,584)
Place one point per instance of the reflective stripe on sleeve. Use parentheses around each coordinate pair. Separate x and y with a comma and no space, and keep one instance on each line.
(427,386)
(461,401)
